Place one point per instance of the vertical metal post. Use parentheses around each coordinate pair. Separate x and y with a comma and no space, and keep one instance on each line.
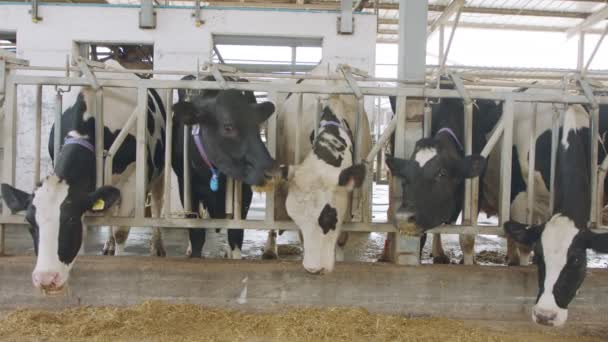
(187,180)
(271,145)
(37,133)
(58,137)
(428,121)
(293,60)
(168,152)
(99,135)
(447,49)
(532,167)
(580,60)
(441,49)
(595,137)
(595,49)
(229,197)
(346,17)
(318,116)
(468,217)
(554,142)
(10,146)
(297,137)
(412,40)
(505,160)
(238,199)
(141,176)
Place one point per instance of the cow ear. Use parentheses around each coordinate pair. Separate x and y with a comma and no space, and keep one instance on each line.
(102,199)
(472,166)
(598,242)
(524,234)
(403,168)
(14,198)
(263,110)
(352,177)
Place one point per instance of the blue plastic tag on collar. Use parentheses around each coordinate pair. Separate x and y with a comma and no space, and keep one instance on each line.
(214,182)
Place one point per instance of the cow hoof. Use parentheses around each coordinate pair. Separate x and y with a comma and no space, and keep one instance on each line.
(461,262)
(107,252)
(512,262)
(269,255)
(159,252)
(441,260)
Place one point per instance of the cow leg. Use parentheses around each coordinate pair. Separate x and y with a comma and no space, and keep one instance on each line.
(109,246)
(342,239)
(197,240)
(512,255)
(156,243)
(236,236)
(270,248)
(524,255)
(120,234)
(437,251)
(467,245)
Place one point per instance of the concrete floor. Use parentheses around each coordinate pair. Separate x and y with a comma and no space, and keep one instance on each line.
(365,247)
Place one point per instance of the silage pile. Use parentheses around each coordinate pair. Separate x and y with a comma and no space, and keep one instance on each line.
(157,321)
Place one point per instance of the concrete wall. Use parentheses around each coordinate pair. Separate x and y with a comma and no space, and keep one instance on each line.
(178,43)
(462,292)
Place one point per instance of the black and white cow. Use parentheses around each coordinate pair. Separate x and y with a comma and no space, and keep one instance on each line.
(561,243)
(317,194)
(225,141)
(56,207)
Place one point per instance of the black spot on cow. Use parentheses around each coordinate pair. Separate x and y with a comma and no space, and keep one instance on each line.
(328,218)
(150,119)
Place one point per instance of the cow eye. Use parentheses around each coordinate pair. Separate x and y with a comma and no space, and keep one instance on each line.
(441,173)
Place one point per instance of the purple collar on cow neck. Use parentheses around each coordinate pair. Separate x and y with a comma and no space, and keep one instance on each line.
(325,123)
(79,141)
(451,133)
(198,141)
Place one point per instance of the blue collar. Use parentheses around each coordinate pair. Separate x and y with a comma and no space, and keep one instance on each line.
(450,133)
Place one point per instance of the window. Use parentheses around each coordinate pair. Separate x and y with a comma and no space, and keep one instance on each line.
(8,41)
(130,56)
(268,54)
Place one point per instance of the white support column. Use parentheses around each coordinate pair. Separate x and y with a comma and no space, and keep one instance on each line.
(99,134)
(580,60)
(271,145)
(37,134)
(346,17)
(168,153)
(505,161)
(532,168)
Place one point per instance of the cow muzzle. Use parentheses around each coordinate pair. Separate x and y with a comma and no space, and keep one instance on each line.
(551,318)
(405,221)
(49,283)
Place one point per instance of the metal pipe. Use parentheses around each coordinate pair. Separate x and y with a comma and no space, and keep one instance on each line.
(580,59)
(428,121)
(447,49)
(120,138)
(187,179)
(297,135)
(557,118)
(230,197)
(595,138)
(238,200)
(141,174)
(468,216)
(505,161)
(168,153)
(498,130)
(58,135)
(386,135)
(271,145)
(37,134)
(597,47)
(318,116)
(441,48)
(532,167)
(601,179)
(99,135)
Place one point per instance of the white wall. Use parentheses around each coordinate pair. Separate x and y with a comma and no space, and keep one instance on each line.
(178,43)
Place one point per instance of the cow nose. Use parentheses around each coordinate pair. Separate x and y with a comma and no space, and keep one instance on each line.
(45,280)
(544,317)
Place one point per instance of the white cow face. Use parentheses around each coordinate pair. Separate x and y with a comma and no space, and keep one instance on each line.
(54,212)
(561,250)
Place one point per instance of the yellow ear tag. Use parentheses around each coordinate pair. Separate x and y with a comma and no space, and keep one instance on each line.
(99,204)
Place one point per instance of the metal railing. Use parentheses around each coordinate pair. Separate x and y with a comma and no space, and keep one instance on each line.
(278,88)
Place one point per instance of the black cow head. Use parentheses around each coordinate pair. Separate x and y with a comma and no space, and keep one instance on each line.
(230,131)
(55,211)
(433,181)
(561,250)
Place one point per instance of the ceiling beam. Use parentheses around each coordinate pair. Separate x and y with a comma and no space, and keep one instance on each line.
(490,26)
(452,8)
(588,22)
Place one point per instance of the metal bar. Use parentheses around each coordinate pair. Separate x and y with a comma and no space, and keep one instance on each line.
(386,135)
(580,58)
(554,141)
(441,53)
(532,168)
(168,153)
(447,13)
(428,121)
(230,198)
(506,160)
(317,118)
(346,17)
(99,135)
(3,74)
(120,138)
(187,179)
(34,12)
(595,138)
(271,144)
(37,134)
(601,179)
(595,49)
(297,135)
(591,20)
(197,13)
(498,130)
(10,136)
(447,49)
(238,200)
(470,208)
(93,83)
(58,135)
(217,74)
(141,175)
